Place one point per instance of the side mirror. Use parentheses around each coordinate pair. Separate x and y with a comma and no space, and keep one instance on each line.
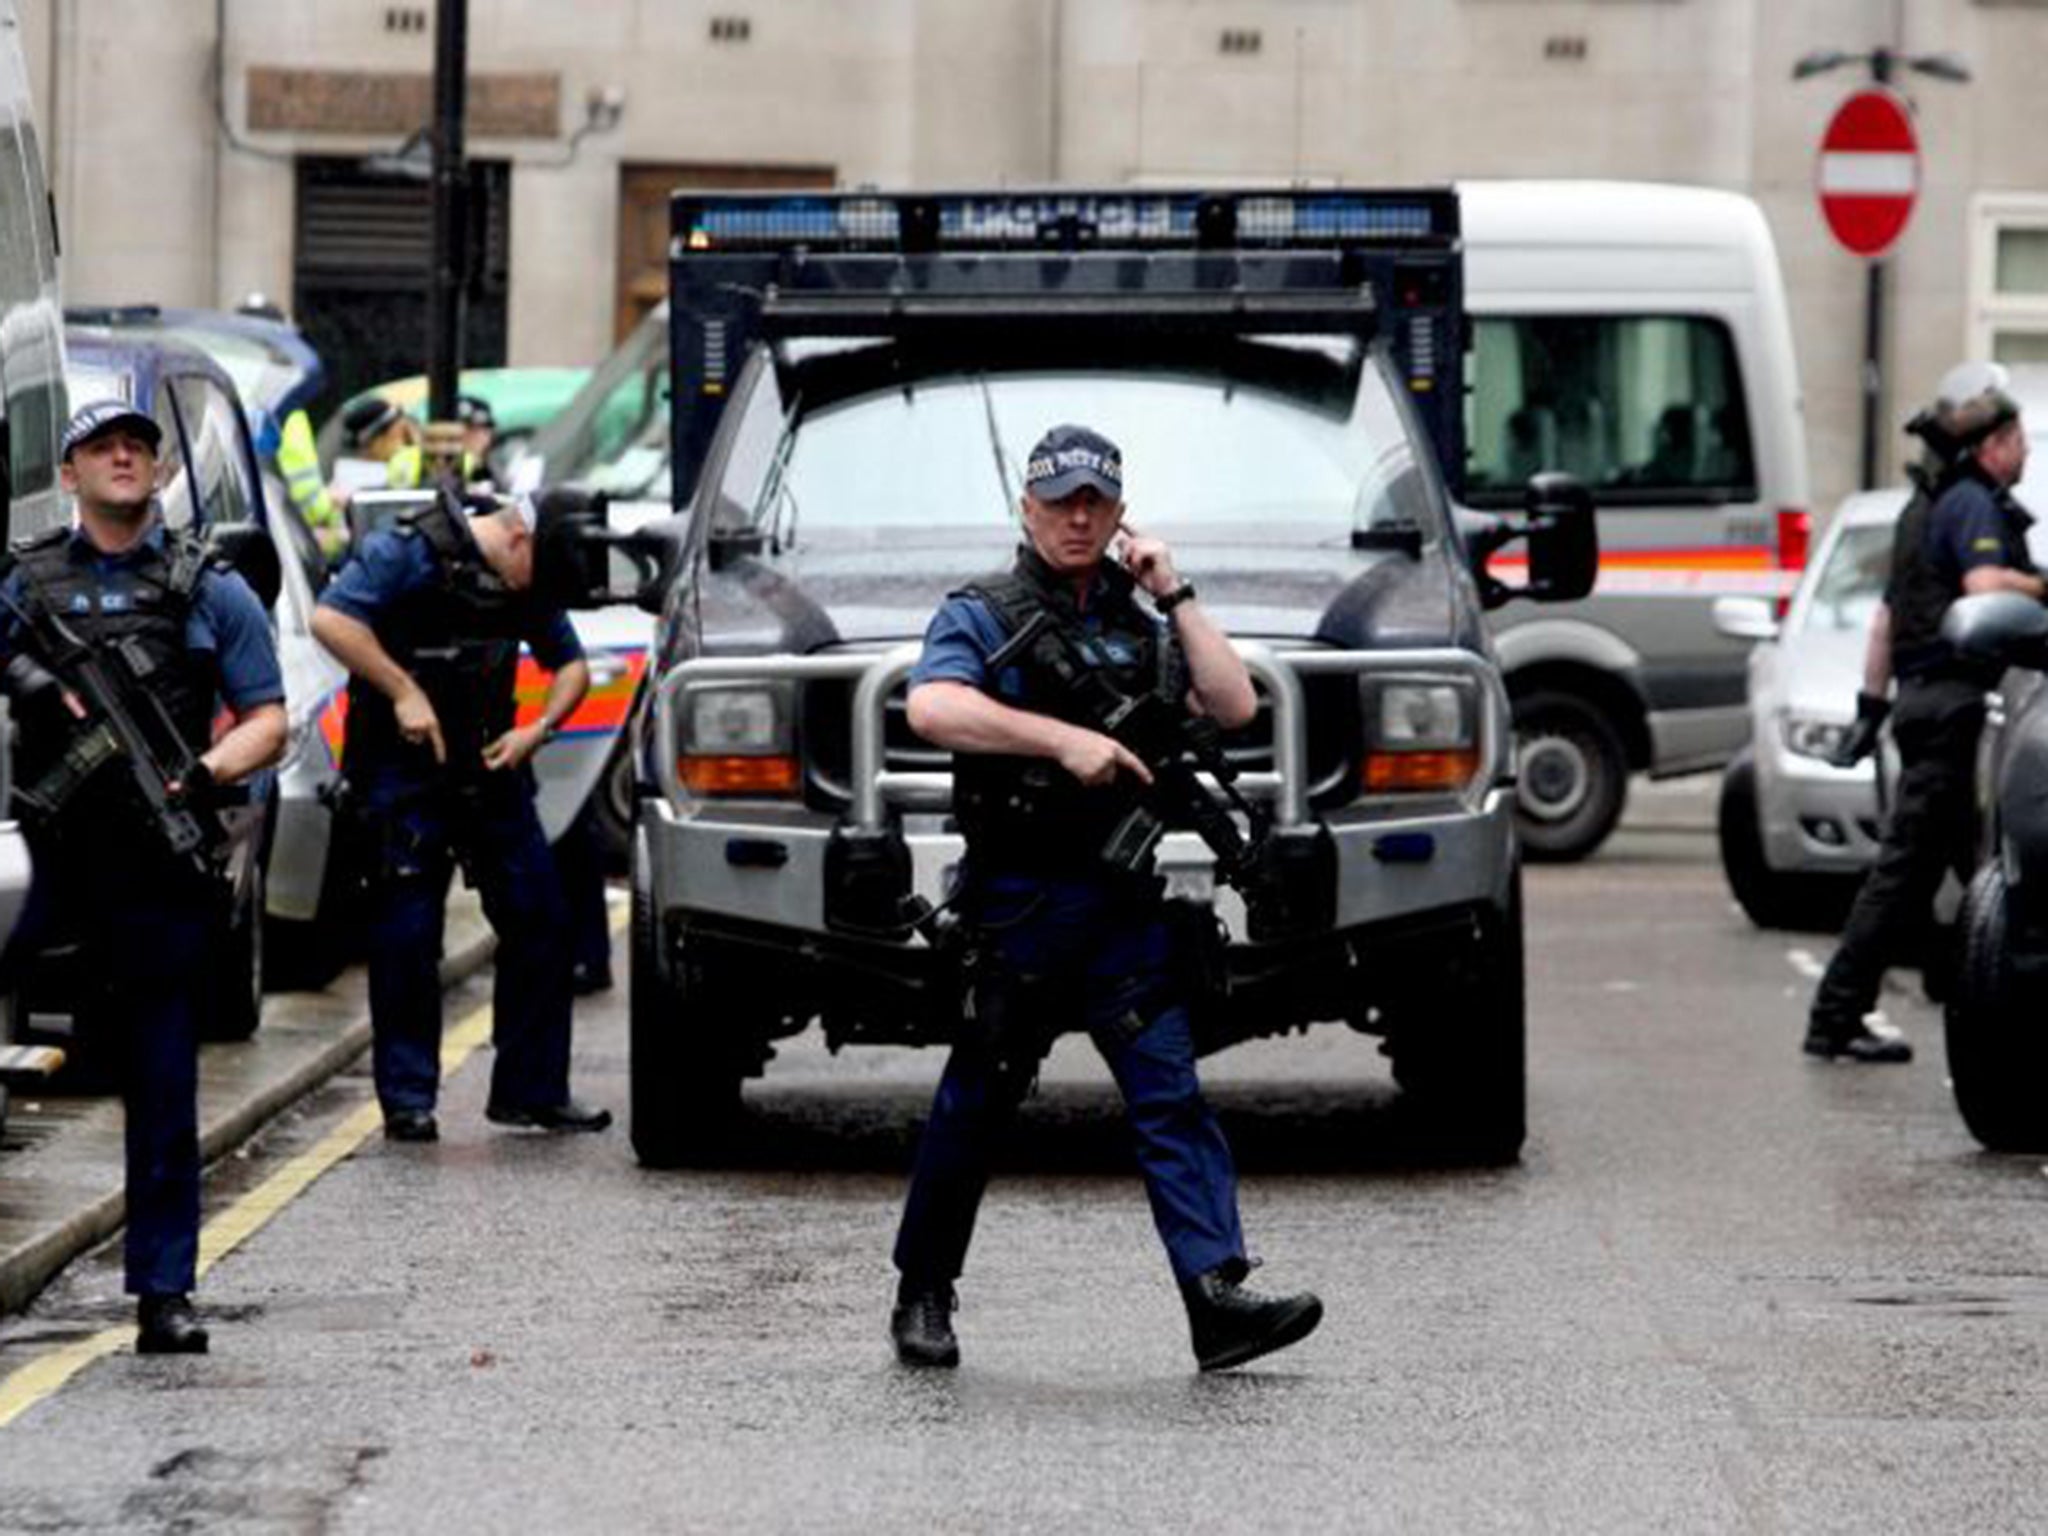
(1564,541)
(581,562)
(248,551)
(1745,618)
(1562,538)
(2001,628)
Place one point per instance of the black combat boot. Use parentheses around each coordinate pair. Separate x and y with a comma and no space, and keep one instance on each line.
(166,1325)
(1230,1325)
(1855,1041)
(922,1324)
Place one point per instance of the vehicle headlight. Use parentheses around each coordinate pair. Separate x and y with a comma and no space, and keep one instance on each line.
(1812,736)
(1420,734)
(738,739)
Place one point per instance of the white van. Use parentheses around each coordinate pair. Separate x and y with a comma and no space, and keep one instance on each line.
(32,415)
(32,399)
(1636,336)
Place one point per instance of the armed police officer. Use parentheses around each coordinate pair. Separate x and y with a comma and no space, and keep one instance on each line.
(1961,533)
(121,615)
(1060,936)
(429,616)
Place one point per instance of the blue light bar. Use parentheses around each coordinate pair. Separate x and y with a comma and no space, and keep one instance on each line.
(1036,219)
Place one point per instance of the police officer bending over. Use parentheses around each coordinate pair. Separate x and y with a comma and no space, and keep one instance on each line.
(428,616)
(1060,935)
(1961,533)
(148,601)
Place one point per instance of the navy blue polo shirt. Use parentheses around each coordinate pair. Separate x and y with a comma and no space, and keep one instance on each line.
(965,632)
(1975,528)
(226,625)
(393,563)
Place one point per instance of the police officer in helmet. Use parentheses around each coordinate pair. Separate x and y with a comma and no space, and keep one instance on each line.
(1062,938)
(148,604)
(1961,533)
(428,616)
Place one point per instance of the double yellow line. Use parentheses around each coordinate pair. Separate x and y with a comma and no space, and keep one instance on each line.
(230,1229)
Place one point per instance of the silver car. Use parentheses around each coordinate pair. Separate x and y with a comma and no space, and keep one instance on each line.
(1797,832)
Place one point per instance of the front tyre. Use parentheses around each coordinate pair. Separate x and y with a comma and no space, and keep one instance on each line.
(1770,898)
(1572,775)
(685,1091)
(1463,1065)
(1996,1031)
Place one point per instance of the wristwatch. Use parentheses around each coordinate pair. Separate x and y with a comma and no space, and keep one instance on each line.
(1183,593)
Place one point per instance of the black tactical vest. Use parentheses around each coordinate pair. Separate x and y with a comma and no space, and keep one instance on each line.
(1922,586)
(459,638)
(1028,814)
(159,585)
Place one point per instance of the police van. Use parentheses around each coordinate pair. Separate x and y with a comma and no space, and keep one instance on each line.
(1636,337)
(857,381)
(32,413)
(1633,335)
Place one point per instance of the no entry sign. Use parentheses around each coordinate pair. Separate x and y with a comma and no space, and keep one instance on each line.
(1869,172)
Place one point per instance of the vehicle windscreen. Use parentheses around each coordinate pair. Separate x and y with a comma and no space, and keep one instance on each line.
(623,404)
(1301,442)
(1851,584)
(262,376)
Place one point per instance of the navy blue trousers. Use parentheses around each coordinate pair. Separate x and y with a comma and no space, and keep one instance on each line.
(420,825)
(1074,953)
(142,925)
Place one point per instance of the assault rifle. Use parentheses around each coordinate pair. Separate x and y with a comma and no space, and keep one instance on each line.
(1288,882)
(126,728)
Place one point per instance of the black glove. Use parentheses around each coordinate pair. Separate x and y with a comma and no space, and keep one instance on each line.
(32,689)
(198,789)
(1861,740)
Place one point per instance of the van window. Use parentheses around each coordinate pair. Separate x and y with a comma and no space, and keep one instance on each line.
(1645,409)
(213,426)
(28,284)
(175,499)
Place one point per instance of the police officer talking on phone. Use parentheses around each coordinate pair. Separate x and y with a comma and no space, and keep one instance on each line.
(1060,937)
(148,605)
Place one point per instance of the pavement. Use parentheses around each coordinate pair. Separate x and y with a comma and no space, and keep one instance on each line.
(61,1165)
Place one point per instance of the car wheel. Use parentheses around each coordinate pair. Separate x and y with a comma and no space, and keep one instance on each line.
(1463,1066)
(685,1090)
(612,805)
(236,978)
(306,956)
(1572,775)
(1772,898)
(1996,1032)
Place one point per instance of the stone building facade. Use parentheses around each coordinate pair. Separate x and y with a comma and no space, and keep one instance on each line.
(182,132)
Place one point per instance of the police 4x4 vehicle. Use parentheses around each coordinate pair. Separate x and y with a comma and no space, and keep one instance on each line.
(857,379)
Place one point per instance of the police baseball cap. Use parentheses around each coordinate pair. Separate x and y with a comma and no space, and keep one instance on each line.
(361,422)
(1068,458)
(1973,401)
(98,416)
(474,411)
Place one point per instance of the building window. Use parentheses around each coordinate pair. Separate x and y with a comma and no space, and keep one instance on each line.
(2008,314)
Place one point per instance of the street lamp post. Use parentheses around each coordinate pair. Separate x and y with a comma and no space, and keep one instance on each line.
(450,245)
(1884,64)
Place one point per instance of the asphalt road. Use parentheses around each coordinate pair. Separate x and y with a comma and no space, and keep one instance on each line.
(1727,1289)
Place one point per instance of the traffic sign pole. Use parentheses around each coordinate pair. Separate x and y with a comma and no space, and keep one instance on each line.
(1867,180)
(1873,327)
